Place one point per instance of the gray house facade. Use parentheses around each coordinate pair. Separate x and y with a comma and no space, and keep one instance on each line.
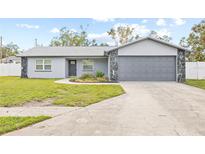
(63,62)
(146,59)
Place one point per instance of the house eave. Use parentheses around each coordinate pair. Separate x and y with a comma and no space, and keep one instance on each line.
(66,56)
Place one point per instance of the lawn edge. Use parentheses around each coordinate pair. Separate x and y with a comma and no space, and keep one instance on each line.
(44,117)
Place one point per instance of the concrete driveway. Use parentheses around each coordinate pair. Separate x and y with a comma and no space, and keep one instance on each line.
(147,108)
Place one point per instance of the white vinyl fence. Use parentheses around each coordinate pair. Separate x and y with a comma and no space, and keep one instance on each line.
(10,69)
(195,70)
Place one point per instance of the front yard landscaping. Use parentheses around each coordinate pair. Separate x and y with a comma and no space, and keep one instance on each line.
(8,124)
(196,83)
(90,78)
(15,91)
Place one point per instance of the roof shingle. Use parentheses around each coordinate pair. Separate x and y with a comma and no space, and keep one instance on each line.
(65,51)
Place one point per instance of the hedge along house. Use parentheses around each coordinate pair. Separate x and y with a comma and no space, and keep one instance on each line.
(146,59)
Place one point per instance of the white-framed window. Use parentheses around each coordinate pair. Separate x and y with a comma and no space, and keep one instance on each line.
(43,65)
(88,65)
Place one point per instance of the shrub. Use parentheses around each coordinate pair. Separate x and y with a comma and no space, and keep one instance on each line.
(102,79)
(90,78)
(73,79)
(87,76)
(99,74)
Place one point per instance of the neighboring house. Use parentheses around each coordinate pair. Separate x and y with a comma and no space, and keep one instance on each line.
(11,59)
(146,59)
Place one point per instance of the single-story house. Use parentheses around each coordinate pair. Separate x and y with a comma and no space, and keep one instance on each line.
(146,59)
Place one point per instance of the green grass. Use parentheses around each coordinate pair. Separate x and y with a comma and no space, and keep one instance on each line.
(83,95)
(15,91)
(8,124)
(196,83)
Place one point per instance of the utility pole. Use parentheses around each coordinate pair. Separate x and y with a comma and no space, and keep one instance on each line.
(36,42)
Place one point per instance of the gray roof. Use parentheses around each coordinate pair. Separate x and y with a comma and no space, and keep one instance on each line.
(153,39)
(64,51)
(84,51)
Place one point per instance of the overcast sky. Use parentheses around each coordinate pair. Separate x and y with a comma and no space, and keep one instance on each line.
(24,31)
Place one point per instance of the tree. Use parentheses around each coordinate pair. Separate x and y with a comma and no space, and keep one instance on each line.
(13,48)
(188,54)
(93,43)
(122,34)
(196,39)
(196,42)
(69,37)
(103,44)
(183,42)
(55,42)
(10,49)
(154,34)
(197,56)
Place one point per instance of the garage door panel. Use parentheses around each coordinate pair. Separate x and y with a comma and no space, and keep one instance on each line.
(151,68)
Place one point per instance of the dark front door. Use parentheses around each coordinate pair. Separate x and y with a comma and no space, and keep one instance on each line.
(72,67)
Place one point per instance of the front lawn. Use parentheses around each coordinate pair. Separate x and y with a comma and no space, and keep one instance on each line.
(8,124)
(196,83)
(15,91)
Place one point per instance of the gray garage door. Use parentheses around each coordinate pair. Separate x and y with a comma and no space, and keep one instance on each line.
(152,68)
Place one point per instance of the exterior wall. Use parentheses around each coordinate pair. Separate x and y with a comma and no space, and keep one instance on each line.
(147,47)
(60,69)
(24,67)
(113,65)
(57,68)
(181,76)
(100,64)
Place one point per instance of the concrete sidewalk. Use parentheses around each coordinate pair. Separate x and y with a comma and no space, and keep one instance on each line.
(35,111)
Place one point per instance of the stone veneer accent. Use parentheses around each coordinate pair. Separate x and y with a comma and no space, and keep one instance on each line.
(24,63)
(113,65)
(181,66)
